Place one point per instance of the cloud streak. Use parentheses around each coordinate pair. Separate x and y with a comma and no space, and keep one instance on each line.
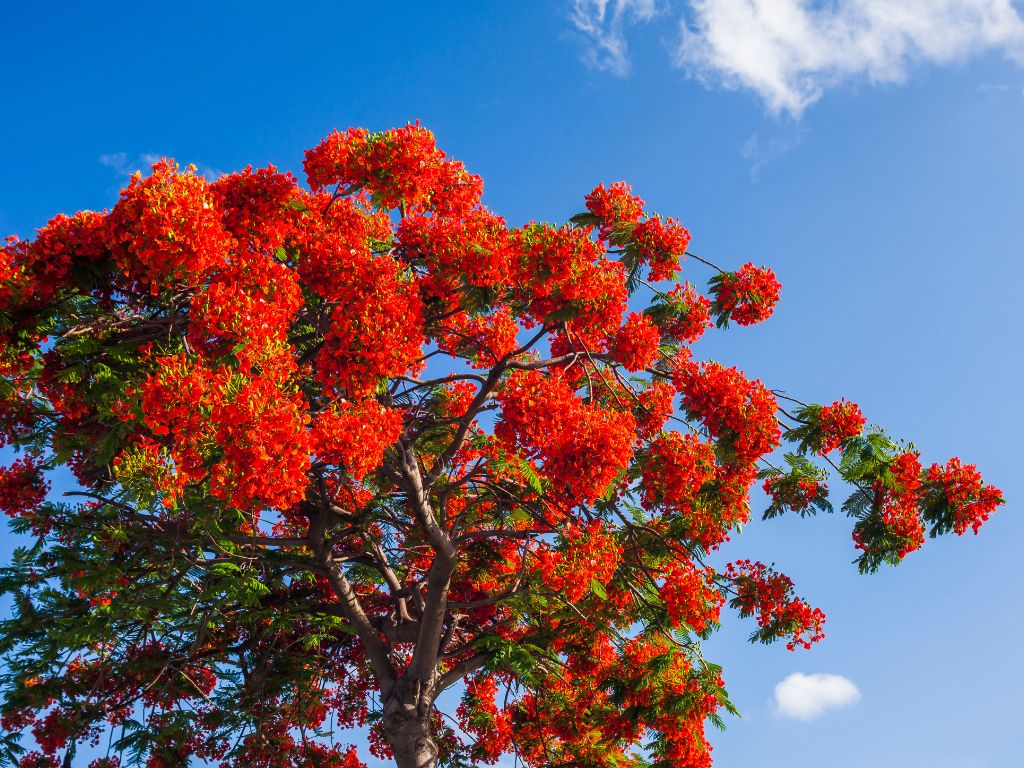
(790,52)
(806,697)
(759,150)
(126,166)
(602,23)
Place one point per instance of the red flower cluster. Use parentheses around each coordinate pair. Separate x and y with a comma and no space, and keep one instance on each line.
(261,432)
(480,716)
(401,168)
(691,315)
(471,250)
(678,467)
(65,242)
(732,408)
(690,596)
(583,446)
(335,160)
(12,276)
(768,595)
(482,339)
(457,397)
(254,300)
(563,271)
(655,408)
(662,243)
(334,242)
(635,346)
(748,295)
(616,207)
(793,494)
(839,422)
(23,487)
(166,229)
(259,208)
(376,330)
(900,503)
(972,501)
(38,760)
(355,435)
(586,714)
(245,435)
(589,554)
(700,498)
(51,733)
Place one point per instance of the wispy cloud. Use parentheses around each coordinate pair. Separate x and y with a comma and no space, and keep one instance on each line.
(805,697)
(602,23)
(758,149)
(790,52)
(124,165)
(119,162)
(1000,88)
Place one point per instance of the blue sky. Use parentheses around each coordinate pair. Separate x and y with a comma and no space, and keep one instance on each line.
(871,154)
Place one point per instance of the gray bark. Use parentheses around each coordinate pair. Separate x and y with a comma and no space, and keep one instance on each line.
(409,733)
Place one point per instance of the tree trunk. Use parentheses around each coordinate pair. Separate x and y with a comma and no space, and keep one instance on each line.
(410,736)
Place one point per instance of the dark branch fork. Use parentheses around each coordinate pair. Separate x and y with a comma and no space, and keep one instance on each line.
(417,610)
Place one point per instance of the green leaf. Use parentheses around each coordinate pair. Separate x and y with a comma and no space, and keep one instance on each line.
(584,219)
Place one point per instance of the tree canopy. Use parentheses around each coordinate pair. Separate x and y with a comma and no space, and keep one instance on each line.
(327,453)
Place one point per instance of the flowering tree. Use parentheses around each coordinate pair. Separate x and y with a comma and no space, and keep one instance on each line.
(338,451)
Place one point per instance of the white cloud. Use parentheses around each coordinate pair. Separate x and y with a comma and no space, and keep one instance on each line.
(759,150)
(790,51)
(125,166)
(805,697)
(119,162)
(602,22)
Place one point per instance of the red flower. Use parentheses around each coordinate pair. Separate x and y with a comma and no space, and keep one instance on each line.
(690,596)
(795,495)
(23,487)
(588,555)
(691,315)
(768,595)
(375,331)
(635,346)
(354,436)
(662,243)
(583,447)
(616,207)
(401,167)
(259,206)
(678,467)
(840,422)
(655,408)
(747,296)
(166,228)
(900,501)
(739,411)
(972,501)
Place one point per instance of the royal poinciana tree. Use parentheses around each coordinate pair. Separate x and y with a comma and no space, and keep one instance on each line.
(337,451)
